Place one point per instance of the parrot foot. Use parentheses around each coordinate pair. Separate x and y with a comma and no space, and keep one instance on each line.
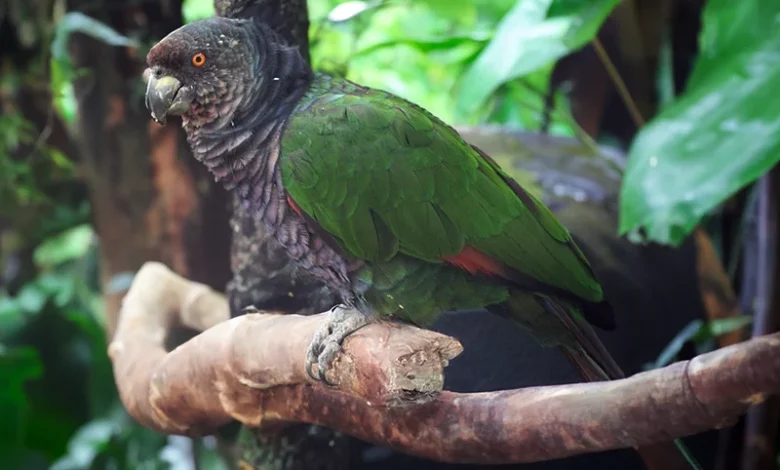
(342,321)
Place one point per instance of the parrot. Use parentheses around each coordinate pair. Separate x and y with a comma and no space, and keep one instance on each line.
(373,195)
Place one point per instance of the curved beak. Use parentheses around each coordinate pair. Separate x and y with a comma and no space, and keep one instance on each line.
(165,96)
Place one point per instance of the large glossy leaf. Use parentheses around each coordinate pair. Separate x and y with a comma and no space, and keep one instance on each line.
(720,135)
(534,34)
(730,28)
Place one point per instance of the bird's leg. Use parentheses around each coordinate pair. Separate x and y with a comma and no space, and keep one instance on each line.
(342,321)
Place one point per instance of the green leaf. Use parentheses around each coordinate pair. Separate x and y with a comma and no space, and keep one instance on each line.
(725,326)
(17,366)
(731,28)
(76,22)
(65,102)
(114,441)
(12,317)
(672,349)
(719,136)
(102,390)
(209,455)
(701,333)
(534,34)
(31,298)
(61,287)
(193,10)
(87,442)
(68,245)
(426,44)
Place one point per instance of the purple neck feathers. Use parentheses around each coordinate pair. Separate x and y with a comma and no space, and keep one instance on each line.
(241,148)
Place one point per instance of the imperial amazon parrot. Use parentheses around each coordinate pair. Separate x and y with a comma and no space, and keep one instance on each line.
(373,195)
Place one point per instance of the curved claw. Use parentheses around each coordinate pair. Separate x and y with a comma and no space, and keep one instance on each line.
(310,373)
(319,376)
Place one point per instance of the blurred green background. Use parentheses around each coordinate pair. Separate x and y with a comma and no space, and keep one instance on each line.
(703,139)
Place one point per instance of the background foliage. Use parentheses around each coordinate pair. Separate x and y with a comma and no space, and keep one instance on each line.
(467,61)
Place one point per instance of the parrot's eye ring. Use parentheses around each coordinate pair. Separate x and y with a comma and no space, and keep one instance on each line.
(198,59)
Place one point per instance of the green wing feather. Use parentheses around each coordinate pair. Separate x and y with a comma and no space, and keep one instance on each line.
(383,177)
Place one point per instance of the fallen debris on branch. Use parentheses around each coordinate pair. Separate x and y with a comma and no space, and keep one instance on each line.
(389,377)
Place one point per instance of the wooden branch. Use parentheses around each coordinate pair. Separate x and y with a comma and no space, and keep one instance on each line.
(251,369)
(207,381)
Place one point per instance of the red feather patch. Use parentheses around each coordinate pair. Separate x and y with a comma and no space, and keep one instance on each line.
(293,205)
(475,262)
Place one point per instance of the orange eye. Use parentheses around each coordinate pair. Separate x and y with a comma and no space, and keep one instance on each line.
(198,59)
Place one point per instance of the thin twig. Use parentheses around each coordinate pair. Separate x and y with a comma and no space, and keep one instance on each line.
(739,251)
(622,89)
(565,115)
(761,422)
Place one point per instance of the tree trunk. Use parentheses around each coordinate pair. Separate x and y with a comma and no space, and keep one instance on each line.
(263,277)
(150,199)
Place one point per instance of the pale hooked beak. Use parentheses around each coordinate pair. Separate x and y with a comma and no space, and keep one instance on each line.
(165,96)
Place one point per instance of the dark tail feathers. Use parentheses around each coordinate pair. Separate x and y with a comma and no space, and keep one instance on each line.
(589,355)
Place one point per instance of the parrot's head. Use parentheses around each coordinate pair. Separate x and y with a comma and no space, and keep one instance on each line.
(203,70)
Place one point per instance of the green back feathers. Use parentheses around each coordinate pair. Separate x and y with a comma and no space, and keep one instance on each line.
(384,177)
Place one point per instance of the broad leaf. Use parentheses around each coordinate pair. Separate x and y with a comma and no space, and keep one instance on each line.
(533,35)
(720,135)
(68,245)
(730,28)
(426,44)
